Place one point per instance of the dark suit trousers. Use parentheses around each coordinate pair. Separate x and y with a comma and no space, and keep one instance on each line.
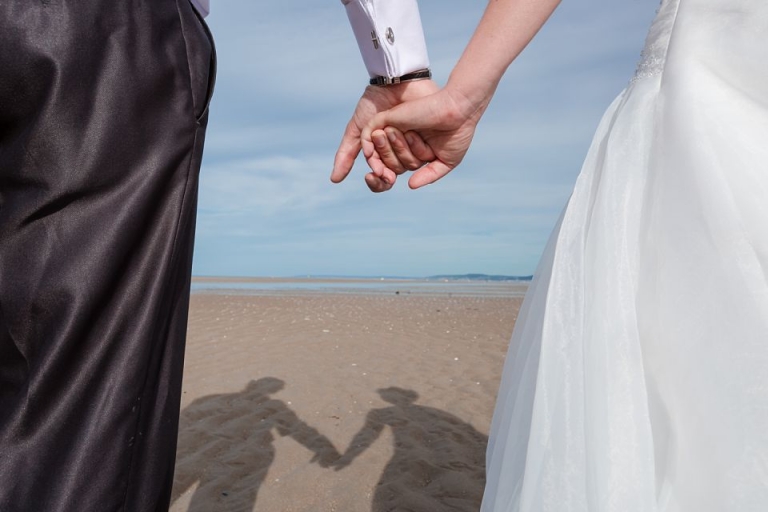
(103,108)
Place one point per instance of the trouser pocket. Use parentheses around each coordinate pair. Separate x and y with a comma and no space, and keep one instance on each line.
(201,56)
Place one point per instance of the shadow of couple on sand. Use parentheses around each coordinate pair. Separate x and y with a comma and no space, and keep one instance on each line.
(226,446)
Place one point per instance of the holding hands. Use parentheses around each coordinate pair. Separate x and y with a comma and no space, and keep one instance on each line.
(414,126)
(429,135)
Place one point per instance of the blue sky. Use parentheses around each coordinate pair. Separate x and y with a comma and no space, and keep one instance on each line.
(289,77)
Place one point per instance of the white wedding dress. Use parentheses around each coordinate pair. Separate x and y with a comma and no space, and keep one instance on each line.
(637,376)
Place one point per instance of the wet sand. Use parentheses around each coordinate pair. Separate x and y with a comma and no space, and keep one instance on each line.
(338,401)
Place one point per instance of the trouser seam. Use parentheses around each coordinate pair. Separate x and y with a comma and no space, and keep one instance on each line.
(166,287)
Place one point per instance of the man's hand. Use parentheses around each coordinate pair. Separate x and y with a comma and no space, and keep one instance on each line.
(376,100)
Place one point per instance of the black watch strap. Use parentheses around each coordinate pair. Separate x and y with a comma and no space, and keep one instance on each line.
(421,74)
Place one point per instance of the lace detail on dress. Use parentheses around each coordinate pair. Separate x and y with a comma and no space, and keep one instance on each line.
(654,54)
(651,63)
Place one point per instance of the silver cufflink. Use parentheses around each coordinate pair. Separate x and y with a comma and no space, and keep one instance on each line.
(375,40)
(390,35)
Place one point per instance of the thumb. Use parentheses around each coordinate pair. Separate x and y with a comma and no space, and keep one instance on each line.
(429,174)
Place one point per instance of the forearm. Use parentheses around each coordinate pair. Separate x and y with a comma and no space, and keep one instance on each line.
(506,28)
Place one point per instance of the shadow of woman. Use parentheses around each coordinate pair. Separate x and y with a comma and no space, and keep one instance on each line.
(226,444)
(439,460)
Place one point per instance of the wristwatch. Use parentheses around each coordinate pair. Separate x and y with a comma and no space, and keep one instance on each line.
(421,74)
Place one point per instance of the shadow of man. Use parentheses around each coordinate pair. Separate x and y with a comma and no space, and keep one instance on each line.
(226,444)
(439,460)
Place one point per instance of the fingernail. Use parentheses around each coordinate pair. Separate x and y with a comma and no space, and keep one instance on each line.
(379,140)
(391,135)
(410,138)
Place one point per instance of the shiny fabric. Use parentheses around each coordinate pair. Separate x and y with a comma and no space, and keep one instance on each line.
(637,376)
(103,108)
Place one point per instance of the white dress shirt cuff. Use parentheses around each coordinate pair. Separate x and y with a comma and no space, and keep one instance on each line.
(389,35)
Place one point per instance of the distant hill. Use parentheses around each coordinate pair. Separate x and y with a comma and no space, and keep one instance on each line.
(480,277)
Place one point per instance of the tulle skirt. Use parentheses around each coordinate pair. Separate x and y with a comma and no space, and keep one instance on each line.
(637,375)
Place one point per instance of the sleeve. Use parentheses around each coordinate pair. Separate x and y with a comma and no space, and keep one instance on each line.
(390,36)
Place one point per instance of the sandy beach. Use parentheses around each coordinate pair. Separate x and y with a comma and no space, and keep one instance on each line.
(299,402)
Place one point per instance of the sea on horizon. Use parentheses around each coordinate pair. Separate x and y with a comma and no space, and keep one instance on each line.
(440,285)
